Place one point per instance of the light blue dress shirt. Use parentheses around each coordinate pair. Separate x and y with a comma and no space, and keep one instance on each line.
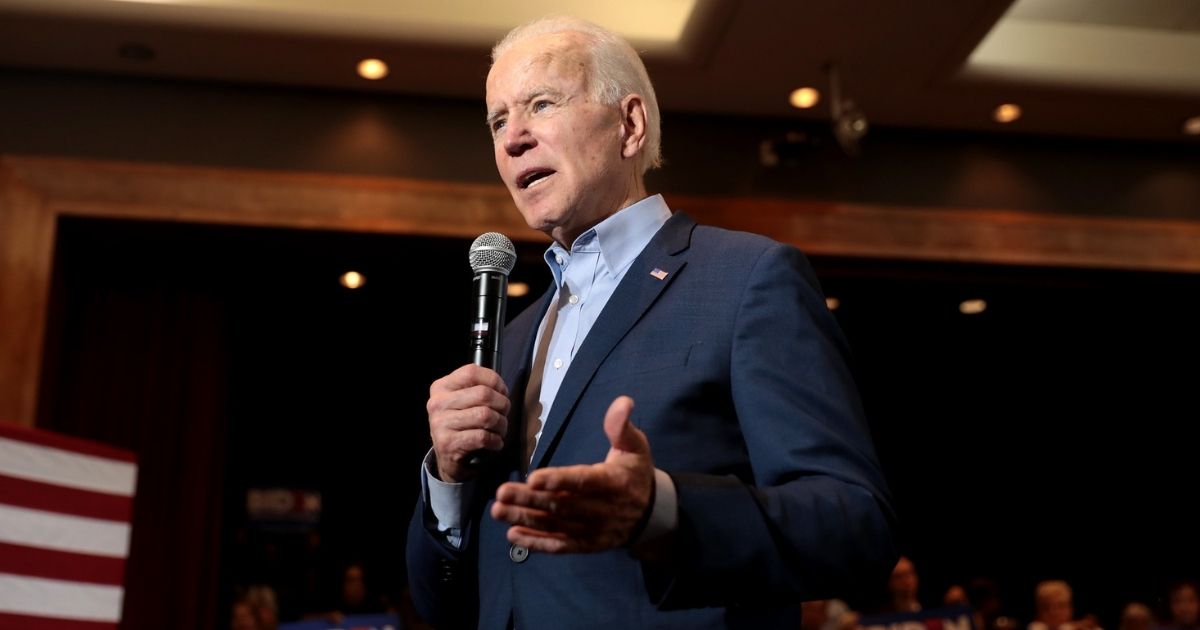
(585,278)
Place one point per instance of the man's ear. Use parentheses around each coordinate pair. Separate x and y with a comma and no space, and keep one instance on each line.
(633,125)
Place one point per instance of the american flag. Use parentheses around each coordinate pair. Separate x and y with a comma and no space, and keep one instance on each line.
(65,507)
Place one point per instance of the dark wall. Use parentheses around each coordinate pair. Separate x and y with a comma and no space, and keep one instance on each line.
(348,132)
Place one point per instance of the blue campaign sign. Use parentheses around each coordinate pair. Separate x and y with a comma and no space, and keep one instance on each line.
(353,622)
(949,618)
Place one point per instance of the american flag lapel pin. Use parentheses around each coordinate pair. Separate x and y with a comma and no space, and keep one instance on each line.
(658,273)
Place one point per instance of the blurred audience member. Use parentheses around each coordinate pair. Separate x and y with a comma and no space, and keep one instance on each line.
(1136,616)
(242,616)
(354,597)
(956,595)
(902,588)
(827,614)
(1056,610)
(984,597)
(1183,606)
(1052,601)
(264,605)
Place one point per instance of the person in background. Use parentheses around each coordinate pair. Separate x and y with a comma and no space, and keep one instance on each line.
(263,603)
(1054,603)
(827,614)
(1183,606)
(242,616)
(1136,616)
(902,588)
(956,595)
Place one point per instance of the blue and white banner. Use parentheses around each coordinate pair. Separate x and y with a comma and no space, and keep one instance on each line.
(353,622)
(949,618)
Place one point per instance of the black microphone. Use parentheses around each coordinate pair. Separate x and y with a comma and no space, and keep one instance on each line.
(492,259)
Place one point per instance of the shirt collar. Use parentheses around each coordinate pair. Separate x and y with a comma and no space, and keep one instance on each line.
(620,237)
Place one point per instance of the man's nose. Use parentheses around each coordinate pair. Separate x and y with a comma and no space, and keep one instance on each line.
(517,137)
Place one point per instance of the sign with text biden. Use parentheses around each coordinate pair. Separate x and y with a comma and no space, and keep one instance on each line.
(949,618)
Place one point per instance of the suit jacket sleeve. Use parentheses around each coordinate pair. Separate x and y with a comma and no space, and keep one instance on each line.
(815,520)
(443,579)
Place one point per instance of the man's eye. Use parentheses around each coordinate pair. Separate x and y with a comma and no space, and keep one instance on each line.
(497,125)
(540,105)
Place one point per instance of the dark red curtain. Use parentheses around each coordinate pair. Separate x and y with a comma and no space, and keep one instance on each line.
(137,358)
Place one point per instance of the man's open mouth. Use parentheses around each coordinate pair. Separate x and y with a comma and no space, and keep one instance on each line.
(532,177)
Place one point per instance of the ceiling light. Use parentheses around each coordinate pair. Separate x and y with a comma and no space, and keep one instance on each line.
(972,307)
(1191,126)
(832,303)
(352,280)
(372,69)
(804,98)
(518,289)
(1007,113)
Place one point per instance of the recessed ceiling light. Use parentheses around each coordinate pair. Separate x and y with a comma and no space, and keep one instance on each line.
(352,280)
(972,307)
(1007,113)
(1191,126)
(832,303)
(804,98)
(372,69)
(518,289)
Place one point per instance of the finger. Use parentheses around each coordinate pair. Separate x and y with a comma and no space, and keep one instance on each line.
(544,542)
(577,516)
(579,478)
(462,443)
(521,494)
(547,521)
(483,418)
(622,435)
(468,376)
(524,516)
(474,396)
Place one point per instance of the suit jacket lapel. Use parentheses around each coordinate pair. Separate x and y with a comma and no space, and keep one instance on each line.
(643,283)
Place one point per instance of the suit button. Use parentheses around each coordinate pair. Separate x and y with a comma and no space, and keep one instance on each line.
(518,554)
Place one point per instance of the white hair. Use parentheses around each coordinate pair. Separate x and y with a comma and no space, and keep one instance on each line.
(616,71)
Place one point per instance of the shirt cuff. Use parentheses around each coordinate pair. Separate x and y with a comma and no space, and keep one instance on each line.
(664,515)
(447,501)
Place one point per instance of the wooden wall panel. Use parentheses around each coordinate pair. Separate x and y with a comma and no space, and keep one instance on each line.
(34,192)
(26,260)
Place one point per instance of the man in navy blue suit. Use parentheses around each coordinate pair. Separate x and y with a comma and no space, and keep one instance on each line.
(743,481)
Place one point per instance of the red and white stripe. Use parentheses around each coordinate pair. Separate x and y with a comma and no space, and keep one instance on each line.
(65,508)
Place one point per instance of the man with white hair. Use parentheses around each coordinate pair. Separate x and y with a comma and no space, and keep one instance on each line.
(744,481)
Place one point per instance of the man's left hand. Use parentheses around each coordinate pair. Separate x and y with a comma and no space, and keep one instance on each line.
(584,508)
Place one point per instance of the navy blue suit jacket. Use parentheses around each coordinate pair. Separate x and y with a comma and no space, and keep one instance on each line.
(740,381)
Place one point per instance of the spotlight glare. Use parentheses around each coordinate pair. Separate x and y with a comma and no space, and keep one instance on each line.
(972,307)
(352,280)
(804,98)
(1191,126)
(832,303)
(1007,113)
(518,289)
(372,69)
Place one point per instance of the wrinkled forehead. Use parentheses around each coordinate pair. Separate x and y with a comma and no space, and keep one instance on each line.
(560,58)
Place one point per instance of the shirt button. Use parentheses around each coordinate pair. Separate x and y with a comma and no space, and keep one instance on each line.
(558,259)
(557,363)
(574,299)
(518,554)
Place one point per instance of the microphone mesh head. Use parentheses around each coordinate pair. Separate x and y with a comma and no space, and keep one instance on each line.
(493,252)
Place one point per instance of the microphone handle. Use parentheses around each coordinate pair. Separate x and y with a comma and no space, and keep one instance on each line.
(491,296)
